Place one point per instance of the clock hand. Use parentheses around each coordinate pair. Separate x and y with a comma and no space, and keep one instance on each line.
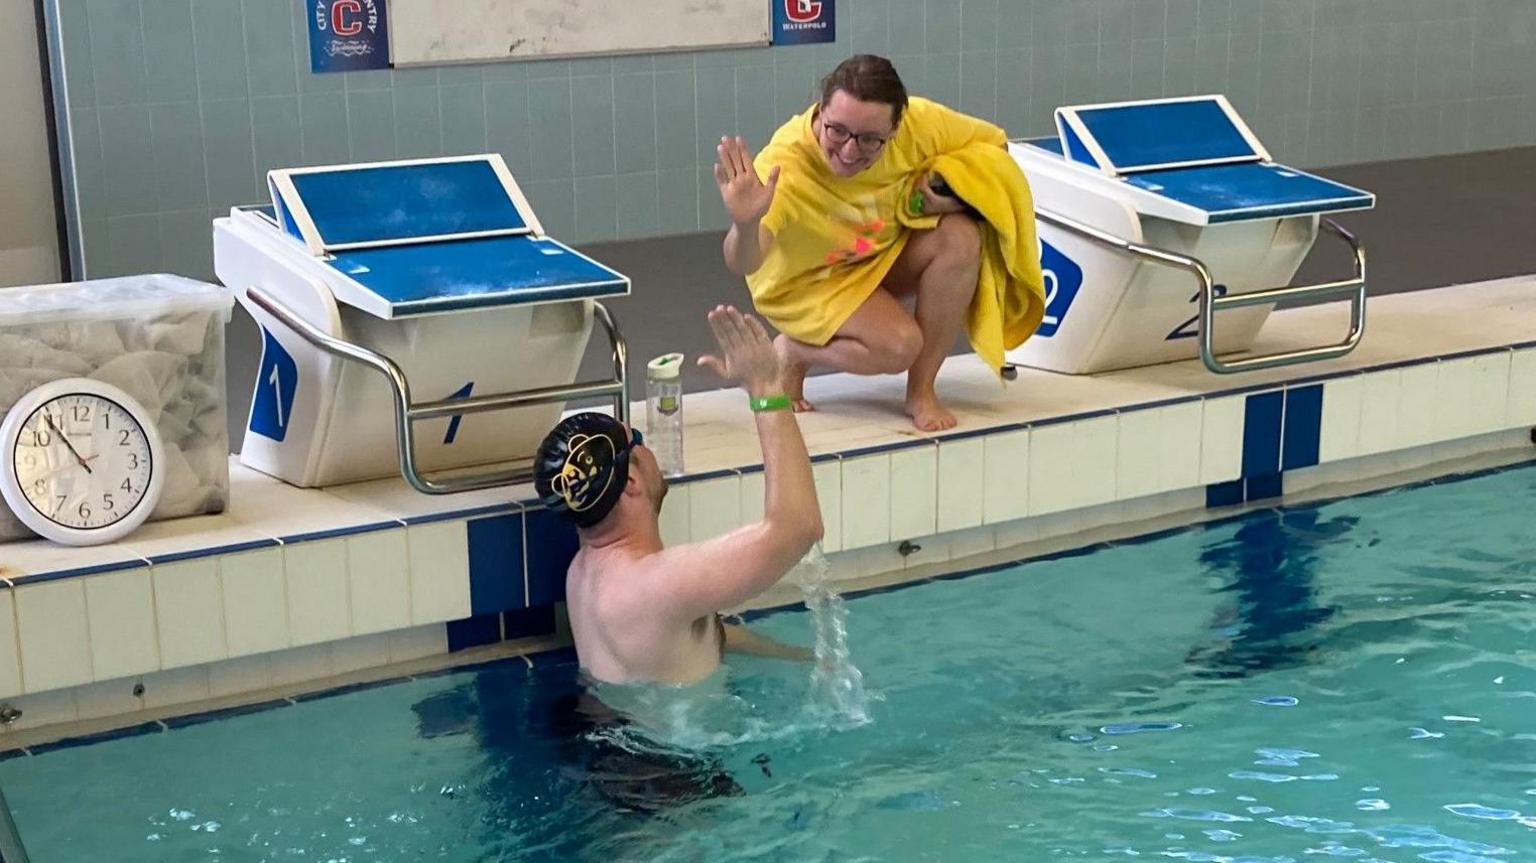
(65,438)
(58,470)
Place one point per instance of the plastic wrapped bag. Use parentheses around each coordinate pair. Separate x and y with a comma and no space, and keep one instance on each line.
(158,337)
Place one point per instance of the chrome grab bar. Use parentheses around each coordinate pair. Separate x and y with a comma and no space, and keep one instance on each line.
(11,849)
(408,412)
(1210,303)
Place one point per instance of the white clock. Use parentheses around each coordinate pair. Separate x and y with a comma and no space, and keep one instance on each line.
(80,461)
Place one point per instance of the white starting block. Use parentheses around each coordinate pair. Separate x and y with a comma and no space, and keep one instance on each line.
(375,283)
(1156,216)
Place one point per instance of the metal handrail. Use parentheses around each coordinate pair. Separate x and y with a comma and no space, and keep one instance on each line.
(408,412)
(1210,303)
(11,849)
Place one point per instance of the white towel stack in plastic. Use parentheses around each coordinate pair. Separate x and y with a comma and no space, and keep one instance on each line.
(161,339)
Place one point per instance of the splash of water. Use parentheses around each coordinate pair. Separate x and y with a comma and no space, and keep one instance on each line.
(837,685)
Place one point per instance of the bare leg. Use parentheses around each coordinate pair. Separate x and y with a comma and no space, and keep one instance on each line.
(941,267)
(880,337)
(794,371)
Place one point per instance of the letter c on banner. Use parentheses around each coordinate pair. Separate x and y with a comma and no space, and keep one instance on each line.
(343,24)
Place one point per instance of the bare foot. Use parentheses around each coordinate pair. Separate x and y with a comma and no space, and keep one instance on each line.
(794,374)
(927,413)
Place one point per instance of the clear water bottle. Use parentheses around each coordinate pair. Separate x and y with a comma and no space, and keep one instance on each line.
(664,412)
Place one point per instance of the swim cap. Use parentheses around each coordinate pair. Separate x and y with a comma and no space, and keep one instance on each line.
(582,466)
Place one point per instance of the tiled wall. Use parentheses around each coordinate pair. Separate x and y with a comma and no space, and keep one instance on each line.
(178,107)
(210,619)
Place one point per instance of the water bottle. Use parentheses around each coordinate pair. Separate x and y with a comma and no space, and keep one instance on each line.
(664,412)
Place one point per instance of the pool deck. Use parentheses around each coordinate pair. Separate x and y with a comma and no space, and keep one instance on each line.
(299,585)
(862,412)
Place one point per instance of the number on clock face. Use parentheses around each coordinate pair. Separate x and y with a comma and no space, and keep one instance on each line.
(83,461)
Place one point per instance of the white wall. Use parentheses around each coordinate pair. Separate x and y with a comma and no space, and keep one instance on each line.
(28,236)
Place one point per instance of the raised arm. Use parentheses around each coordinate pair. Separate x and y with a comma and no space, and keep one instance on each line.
(705,577)
(747,200)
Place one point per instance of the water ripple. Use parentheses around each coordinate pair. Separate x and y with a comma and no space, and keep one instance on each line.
(1138,727)
(1272,757)
(1128,771)
(1313,825)
(1277,701)
(1260,776)
(1486,813)
(1196,815)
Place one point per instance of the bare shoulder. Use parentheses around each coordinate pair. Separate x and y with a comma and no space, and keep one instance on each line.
(653,580)
(621,584)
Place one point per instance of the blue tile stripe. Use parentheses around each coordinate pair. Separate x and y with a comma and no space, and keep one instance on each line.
(78,572)
(551,542)
(496,580)
(701,477)
(225,713)
(1303,427)
(218,550)
(1261,433)
(99,737)
(461,514)
(482,629)
(1263,487)
(333,533)
(1065,418)
(1224,494)
(1282,430)
(879,449)
(531,622)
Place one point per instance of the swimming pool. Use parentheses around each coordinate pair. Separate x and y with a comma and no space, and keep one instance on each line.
(1350,679)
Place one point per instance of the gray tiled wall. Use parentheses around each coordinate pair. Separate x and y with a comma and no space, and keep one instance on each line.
(179,107)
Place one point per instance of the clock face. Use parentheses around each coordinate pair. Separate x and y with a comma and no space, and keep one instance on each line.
(83,461)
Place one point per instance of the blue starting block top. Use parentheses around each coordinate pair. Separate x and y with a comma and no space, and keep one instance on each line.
(1166,133)
(407,202)
(361,206)
(1193,160)
(443,235)
(1235,193)
(400,281)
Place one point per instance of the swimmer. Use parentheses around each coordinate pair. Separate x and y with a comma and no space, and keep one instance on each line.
(642,612)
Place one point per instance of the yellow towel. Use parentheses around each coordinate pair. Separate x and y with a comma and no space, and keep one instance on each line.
(1010,293)
(835,238)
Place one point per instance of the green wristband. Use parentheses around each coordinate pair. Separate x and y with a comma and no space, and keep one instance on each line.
(779,402)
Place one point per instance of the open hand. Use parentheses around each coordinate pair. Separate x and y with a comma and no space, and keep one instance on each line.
(746,197)
(746,353)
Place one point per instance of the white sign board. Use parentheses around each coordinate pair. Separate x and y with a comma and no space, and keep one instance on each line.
(459,31)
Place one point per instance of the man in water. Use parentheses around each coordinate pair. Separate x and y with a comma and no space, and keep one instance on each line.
(644,613)
(641,612)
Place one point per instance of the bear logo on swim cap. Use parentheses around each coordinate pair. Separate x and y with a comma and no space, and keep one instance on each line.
(585,475)
(582,466)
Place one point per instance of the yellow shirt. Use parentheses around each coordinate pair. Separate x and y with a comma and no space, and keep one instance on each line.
(835,238)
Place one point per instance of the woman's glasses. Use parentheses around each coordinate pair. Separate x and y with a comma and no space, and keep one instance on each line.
(838,135)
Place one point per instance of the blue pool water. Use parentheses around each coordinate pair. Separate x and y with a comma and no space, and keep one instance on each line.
(1353,679)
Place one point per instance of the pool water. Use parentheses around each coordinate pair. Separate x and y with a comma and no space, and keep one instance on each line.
(1352,679)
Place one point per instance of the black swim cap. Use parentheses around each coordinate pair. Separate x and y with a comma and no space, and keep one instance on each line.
(582,466)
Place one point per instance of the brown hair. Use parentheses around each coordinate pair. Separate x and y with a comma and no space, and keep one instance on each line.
(868,78)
